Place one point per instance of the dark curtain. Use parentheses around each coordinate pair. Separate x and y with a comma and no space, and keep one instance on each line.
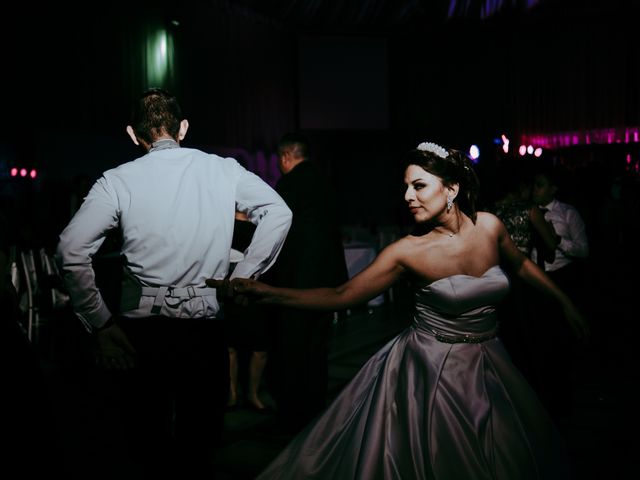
(71,75)
(469,80)
(239,79)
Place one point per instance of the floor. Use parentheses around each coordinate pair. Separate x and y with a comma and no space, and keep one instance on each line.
(602,430)
(252,438)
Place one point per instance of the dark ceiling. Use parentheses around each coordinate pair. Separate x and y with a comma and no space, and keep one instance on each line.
(406,16)
(76,54)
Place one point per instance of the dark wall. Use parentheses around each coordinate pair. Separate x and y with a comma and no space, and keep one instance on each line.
(70,76)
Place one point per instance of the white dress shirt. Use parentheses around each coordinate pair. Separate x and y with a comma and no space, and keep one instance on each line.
(568,224)
(175,207)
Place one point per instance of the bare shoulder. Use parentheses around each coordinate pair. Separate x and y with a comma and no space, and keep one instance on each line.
(489,221)
(401,245)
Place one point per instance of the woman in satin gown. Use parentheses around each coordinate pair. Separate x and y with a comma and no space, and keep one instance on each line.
(442,400)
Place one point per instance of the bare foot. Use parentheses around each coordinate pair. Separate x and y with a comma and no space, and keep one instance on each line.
(255,401)
(233,401)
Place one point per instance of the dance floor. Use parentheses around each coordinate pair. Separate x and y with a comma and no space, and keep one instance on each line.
(601,429)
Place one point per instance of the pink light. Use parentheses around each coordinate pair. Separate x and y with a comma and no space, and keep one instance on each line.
(33,173)
(617,135)
(23,172)
(14,171)
(505,143)
(522,150)
(537,152)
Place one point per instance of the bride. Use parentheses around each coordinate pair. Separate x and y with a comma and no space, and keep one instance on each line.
(442,400)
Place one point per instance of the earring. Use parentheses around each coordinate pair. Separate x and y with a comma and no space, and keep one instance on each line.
(449,202)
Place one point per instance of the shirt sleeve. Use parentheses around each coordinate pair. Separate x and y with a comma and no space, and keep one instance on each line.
(574,243)
(78,242)
(272,217)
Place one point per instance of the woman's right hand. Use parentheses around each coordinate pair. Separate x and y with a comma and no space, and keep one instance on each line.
(240,290)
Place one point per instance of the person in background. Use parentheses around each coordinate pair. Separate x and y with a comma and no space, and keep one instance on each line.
(30,435)
(312,256)
(175,208)
(566,221)
(554,350)
(246,332)
(528,229)
(442,399)
(523,219)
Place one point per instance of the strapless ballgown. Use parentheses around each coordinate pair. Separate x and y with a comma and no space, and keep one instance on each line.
(441,401)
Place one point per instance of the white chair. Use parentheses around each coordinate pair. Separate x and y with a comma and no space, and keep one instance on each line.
(28,303)
(58,298)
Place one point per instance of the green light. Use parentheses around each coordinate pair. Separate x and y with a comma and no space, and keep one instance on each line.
(159,57)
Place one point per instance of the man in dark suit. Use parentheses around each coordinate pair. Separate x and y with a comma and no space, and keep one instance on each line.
(312,256)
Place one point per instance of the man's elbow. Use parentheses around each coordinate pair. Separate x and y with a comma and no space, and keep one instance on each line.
(287,218)
(59,255)
(581,252)
(288,213)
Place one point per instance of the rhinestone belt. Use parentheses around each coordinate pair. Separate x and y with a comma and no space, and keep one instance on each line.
(466,338)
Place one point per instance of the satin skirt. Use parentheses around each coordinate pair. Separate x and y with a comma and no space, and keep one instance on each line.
(424,409)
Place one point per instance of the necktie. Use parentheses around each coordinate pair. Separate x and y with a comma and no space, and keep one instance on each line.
(540,249)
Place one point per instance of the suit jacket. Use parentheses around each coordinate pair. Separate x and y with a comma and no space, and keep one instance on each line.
(312,255)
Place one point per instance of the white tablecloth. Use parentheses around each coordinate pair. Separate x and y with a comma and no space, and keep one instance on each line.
(358,255)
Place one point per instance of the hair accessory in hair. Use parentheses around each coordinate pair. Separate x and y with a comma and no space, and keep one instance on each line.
(433,148)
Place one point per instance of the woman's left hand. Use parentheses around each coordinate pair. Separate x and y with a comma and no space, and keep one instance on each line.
(578,322)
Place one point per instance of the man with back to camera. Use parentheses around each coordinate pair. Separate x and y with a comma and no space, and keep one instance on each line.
(165,351)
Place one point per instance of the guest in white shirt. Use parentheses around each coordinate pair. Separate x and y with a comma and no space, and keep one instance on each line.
(552,344)
(175,209)
(566,221)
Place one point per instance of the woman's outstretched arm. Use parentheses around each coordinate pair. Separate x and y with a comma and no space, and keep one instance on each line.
(534,276)
(369,283)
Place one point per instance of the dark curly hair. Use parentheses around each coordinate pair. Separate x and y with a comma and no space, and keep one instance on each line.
(454,168)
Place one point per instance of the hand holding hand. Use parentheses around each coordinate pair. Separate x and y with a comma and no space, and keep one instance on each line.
(240,290)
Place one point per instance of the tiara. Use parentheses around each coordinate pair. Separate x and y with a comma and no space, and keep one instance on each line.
(433,148)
